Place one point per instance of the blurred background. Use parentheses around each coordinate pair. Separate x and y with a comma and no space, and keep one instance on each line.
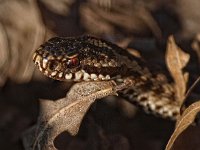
(140,25)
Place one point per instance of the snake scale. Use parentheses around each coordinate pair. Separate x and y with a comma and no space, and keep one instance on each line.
(88,58)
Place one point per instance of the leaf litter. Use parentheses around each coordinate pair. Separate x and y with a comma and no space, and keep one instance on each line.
(176,60)
(14,31)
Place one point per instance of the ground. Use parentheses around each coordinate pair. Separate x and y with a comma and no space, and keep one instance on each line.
(142,26)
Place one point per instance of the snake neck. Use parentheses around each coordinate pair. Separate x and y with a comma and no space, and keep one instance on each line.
(154,94)
(151,89)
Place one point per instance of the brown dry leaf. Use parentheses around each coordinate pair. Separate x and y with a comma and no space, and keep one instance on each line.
(19,39)
(4,55)
(189,16)
(61,7)
(176,60)
(136,18)
(196,46)
(183,122)
(66,114)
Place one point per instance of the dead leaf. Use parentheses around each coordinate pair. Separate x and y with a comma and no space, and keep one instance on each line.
(66,114)
(16,53)
(4,55)
(183,122)
(136,18)
(176,60)
(59,7)
(196,46)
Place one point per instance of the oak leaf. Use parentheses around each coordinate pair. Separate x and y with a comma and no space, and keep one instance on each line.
(67,113)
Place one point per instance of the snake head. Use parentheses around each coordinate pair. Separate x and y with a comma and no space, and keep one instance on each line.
(82,58)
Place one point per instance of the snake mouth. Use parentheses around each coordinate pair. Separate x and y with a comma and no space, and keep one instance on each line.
(84,76)
(56,73)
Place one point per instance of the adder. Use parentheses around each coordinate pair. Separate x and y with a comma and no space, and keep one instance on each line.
(88,58)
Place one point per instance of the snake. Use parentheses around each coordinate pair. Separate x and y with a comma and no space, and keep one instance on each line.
(87,58)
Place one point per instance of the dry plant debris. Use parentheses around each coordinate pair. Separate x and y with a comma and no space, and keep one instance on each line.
(196,46)
(25,24)
(186,119)
(66,114)
(136,18)
(19,38)
(176,60)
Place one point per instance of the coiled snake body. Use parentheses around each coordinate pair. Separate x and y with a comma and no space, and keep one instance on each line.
(88,58)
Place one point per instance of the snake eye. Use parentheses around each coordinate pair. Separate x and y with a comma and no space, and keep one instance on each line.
(73,62)
(53,65)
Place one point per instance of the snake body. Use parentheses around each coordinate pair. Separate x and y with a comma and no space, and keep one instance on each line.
(88,58)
